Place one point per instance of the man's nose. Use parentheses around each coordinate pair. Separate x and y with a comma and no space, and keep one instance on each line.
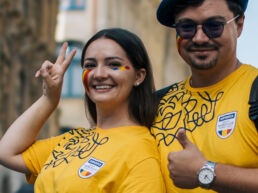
(200,36)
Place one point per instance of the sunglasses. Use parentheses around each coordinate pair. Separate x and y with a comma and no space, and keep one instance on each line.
(211,27)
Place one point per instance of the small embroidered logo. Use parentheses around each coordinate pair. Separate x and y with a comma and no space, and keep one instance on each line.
(226,125)
(90,168)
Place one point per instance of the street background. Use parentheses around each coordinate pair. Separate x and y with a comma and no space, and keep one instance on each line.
(33,31)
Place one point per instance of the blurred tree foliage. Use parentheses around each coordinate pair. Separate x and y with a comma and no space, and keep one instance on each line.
(27,29)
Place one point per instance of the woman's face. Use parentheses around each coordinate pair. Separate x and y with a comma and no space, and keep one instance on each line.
(109,76)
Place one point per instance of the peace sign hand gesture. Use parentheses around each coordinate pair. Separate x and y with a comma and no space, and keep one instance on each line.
(53,74)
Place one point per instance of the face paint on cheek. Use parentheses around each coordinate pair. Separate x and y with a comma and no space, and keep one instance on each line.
(85,75)
(178,42)
(122,68)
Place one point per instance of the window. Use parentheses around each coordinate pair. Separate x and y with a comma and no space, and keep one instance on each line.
(72,5)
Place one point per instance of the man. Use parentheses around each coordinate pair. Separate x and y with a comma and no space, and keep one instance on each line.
(206,139)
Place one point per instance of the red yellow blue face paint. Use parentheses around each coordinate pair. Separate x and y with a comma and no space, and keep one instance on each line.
(85,75)
(122,68)
(178,42)
(86,72)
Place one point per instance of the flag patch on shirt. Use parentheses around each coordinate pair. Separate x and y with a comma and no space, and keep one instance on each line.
(90,168)
(226,124)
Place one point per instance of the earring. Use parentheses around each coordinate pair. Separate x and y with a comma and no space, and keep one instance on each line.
(137,84)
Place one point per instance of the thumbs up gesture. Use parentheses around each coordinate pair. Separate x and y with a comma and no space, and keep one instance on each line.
(183,165)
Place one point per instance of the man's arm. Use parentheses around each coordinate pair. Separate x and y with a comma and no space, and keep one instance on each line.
(235,179)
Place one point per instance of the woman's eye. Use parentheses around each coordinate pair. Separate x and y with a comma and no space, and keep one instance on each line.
(88,66)
(114,64)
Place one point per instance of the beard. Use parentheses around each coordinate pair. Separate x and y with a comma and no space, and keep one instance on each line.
(202,64)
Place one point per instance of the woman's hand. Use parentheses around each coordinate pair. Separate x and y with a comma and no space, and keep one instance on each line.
(53,74)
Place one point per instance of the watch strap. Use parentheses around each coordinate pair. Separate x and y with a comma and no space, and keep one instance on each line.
(211,165)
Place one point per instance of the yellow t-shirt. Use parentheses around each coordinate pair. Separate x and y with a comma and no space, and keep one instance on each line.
(120,160)
(216,121)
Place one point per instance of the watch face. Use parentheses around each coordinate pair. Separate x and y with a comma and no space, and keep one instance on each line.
(206,176)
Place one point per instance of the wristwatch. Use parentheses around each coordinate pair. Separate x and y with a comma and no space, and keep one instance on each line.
(206,175)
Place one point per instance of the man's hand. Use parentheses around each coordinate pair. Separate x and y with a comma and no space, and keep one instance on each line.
(184,165)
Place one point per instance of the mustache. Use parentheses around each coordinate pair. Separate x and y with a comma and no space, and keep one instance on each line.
(195,46)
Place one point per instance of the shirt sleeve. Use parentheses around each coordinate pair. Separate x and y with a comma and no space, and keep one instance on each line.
(37,154)
(145,177)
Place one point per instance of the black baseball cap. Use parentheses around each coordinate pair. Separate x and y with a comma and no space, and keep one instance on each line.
(166,8)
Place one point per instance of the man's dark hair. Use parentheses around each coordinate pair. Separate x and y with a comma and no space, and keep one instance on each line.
(142,100)
(235,8)
(181,5)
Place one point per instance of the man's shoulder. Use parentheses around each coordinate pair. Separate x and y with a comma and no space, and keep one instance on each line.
(162,92)
(250,69)
(171,88)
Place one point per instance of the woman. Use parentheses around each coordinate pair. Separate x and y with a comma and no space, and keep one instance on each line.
(116,155)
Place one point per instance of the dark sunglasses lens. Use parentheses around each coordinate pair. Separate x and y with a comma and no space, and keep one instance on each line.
(186,29)
(213,29)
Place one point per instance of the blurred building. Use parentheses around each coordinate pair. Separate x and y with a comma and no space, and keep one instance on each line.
(78,20)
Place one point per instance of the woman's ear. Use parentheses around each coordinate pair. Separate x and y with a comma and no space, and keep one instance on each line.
(140,76)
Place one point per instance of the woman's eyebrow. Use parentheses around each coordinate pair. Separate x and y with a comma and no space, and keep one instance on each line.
(113,58)
(90,59)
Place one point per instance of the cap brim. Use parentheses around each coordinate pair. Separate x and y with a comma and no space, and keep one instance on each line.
(165,12)
(244,4)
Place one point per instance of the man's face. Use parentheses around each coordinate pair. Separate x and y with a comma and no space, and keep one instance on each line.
(202,52)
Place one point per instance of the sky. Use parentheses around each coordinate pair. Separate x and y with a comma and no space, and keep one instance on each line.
(247,48)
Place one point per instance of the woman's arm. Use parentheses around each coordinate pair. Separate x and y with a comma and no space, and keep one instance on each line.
(23,132)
